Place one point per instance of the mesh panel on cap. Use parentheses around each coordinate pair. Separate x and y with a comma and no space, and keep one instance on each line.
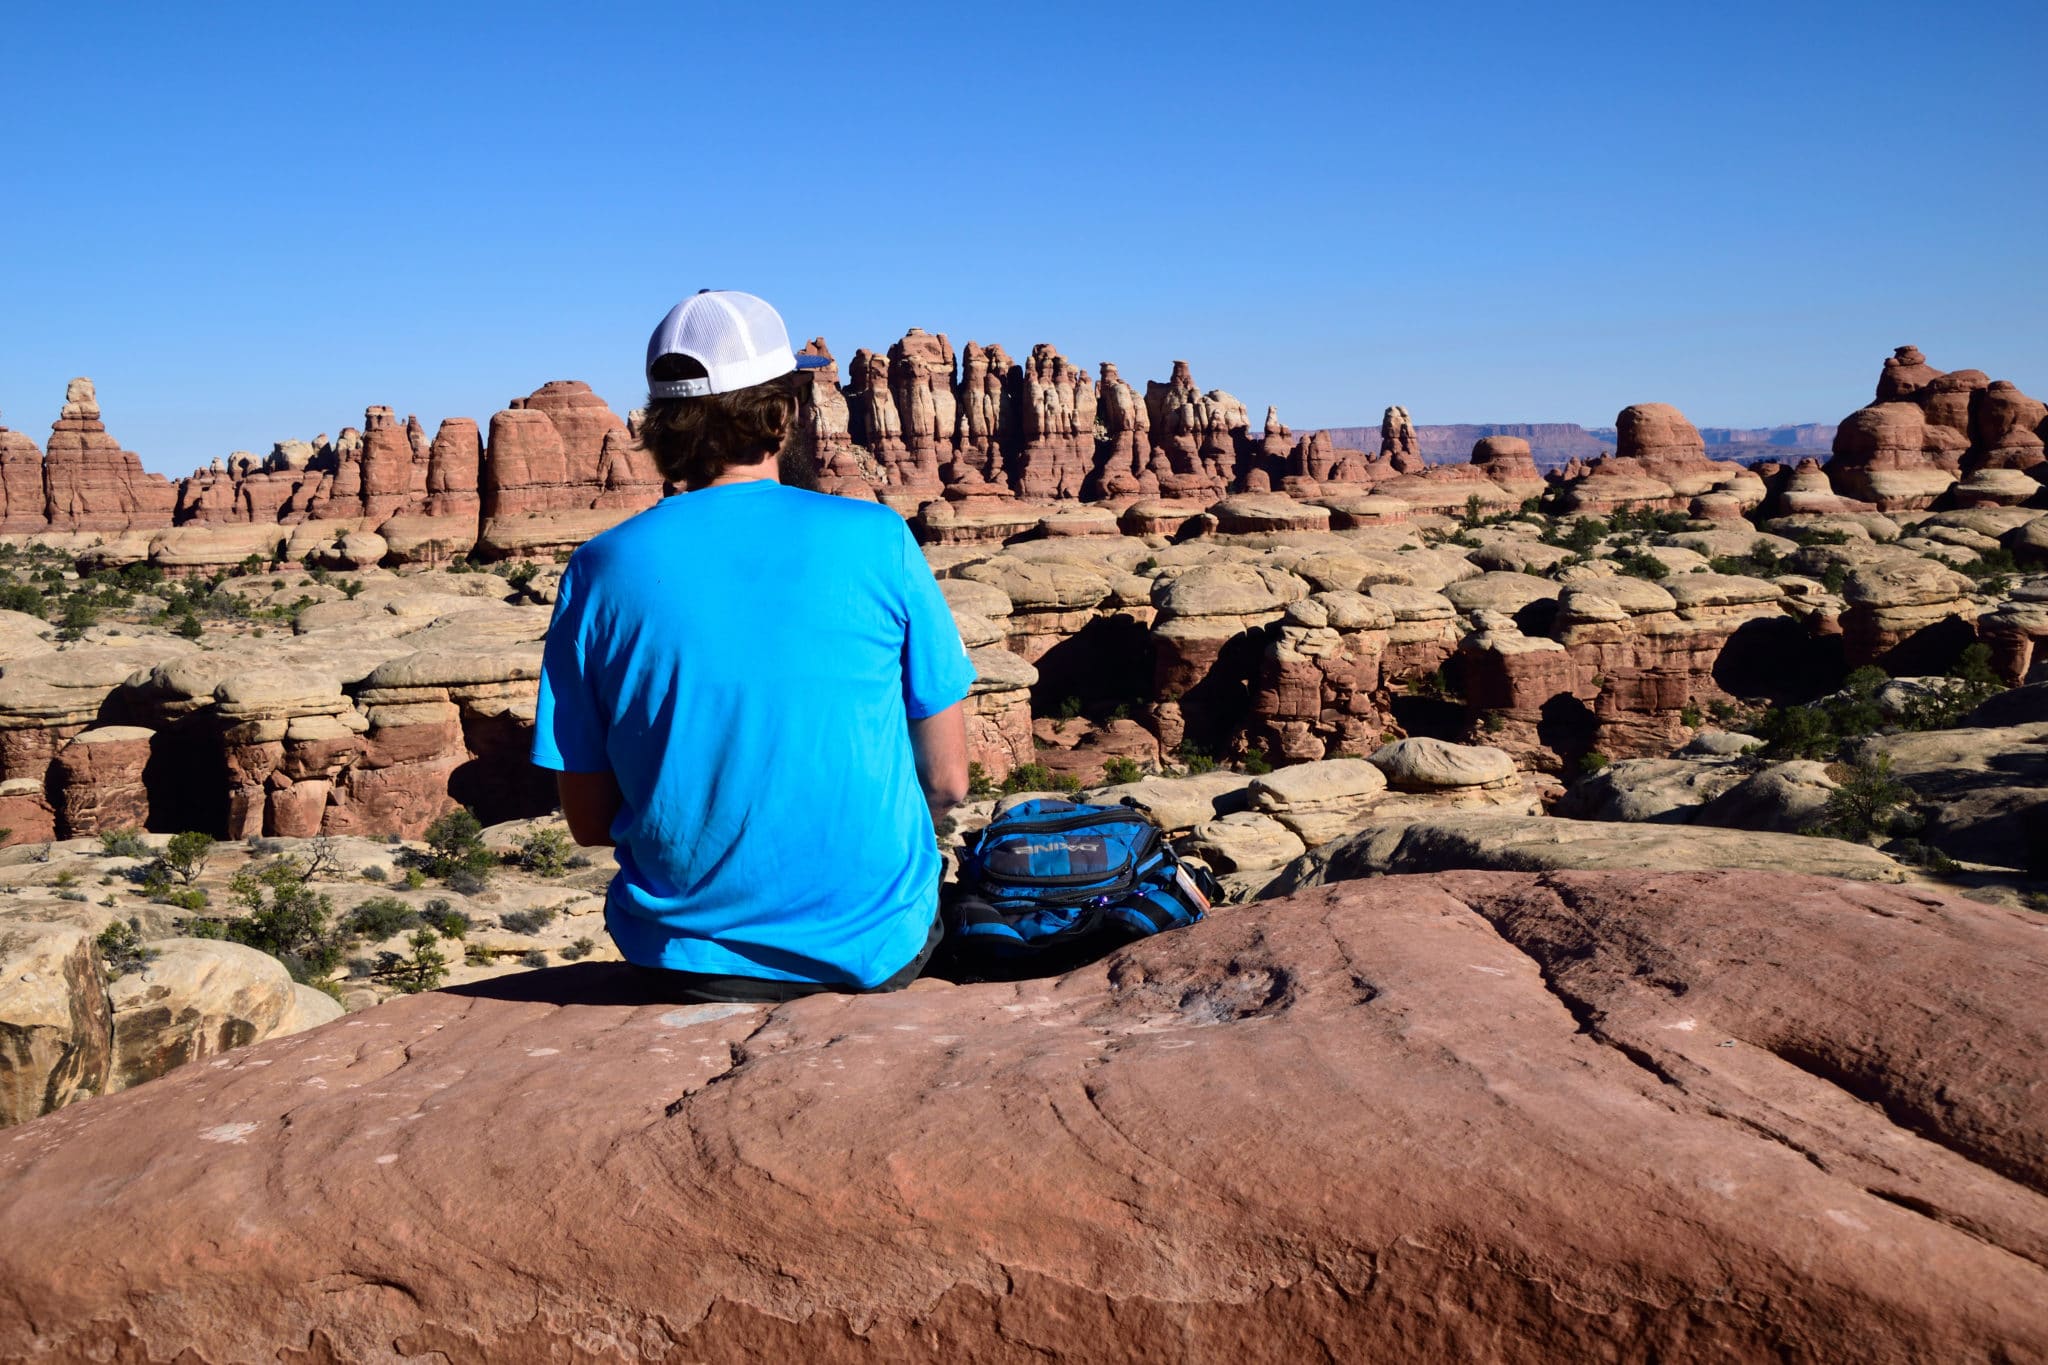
(739,339)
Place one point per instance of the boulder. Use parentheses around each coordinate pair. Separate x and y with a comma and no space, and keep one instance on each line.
(1243,841)
(1450,841)
(1426,765)
(54,1019)
(1318,801)
(1576,1117)
(196,998)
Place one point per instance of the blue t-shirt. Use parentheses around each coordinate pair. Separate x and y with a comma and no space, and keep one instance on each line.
(745,660)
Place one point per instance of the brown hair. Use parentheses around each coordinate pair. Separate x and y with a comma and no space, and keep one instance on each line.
(694,440)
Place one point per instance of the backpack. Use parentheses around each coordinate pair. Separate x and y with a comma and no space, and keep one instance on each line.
(1049,885)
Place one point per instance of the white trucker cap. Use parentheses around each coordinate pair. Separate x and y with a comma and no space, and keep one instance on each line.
(738,339)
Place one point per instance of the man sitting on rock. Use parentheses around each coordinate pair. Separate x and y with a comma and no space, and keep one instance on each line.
(753,691)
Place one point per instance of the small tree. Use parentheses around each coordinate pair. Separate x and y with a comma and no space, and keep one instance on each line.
(1865,803)
(187,854)
(286,918)
(425,969)
(455,845)
(121,948)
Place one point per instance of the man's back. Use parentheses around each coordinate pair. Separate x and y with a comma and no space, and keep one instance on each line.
(743,659)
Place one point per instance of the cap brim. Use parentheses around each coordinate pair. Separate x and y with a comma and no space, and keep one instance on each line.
(813,362)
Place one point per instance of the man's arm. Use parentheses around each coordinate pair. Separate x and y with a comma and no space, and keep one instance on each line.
(940,743)
(590,801)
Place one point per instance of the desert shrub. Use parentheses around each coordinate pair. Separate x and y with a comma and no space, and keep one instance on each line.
(381,917)
(545,852)
(1924,855)
(286,918)
(1760,562)
(979,786)
(189,627)
(1592,761)
(424,969)
(1971,683)
(22,597)
(464,882)
(376,872)
(521,574)
(1119,770)
(1493,722)
(1648,520)
(414,879)
(1689,716)
(1819,729)
(184,897)
(1578,535)
(72,896)
(1194,758)
(323,855)
(1069,708)
(187,854)
(536,958)
(527,921)
(455,845)
(122,950)
(80,614)
(123,843)
(1642,564)
(581,948)
(1865,803)
(445,918)
(1255,762)
(1028,777)
(64,879)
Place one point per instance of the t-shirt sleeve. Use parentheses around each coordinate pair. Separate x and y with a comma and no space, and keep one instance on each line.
(569,724)
(936,669)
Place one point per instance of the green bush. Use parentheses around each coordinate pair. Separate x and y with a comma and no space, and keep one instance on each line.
(123,843)
(121,949)
(1119,770)
(527,921)
(23,598)
(1069,708)
(1865,803)
(1642,564)
(79,615)
(286,918)
(1194,759)
(381,917)
(1592,761)
(1689,716)
(1971,683)
(545,852)
(1028,777)
(445,918)
(455,845)
(189,627)
(1255,763)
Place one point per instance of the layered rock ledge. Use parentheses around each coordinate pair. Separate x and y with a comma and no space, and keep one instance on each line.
(1476,1115)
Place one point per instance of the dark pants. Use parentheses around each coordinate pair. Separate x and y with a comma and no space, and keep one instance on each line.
(701,988)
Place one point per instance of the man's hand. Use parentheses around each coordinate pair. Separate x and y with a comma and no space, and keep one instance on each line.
(940,743)
(590,801)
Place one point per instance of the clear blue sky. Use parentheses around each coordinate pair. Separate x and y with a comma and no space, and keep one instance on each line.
(249,222)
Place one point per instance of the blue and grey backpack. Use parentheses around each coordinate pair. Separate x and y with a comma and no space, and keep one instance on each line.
(1049,885)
